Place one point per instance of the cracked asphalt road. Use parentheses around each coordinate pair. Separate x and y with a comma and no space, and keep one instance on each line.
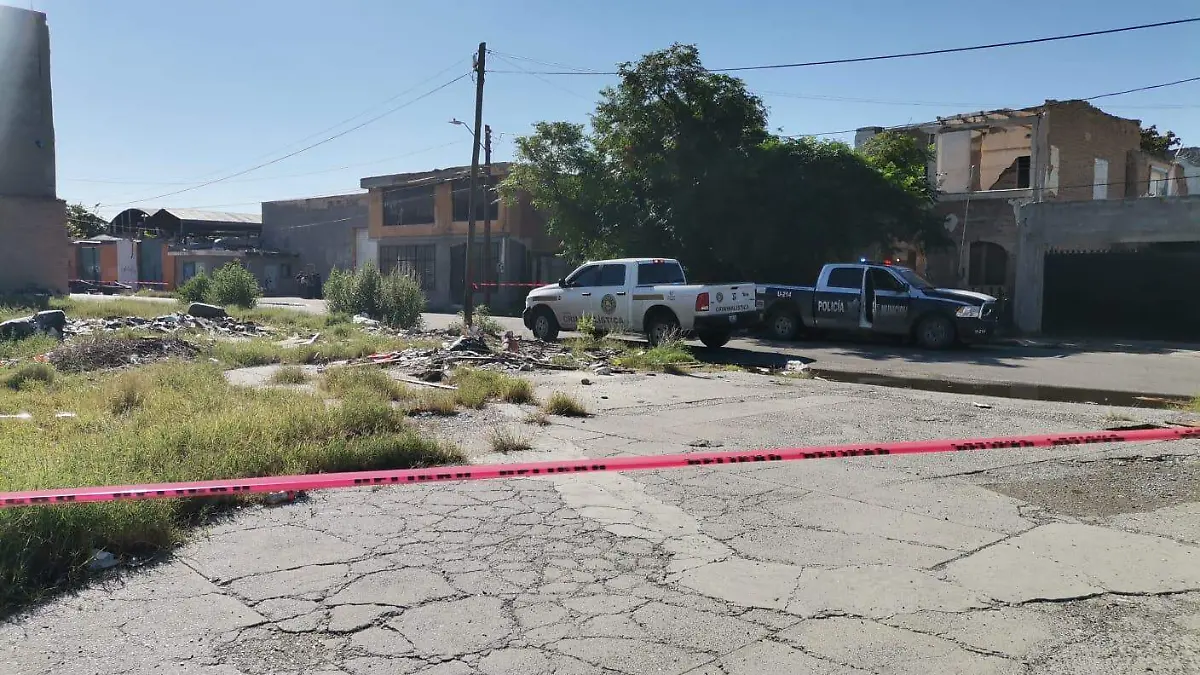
(887,565)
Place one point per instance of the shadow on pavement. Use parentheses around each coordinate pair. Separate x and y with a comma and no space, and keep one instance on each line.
(756,358)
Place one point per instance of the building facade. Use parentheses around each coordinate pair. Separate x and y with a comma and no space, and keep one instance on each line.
(417,223)
(30,211)
(324,232)
(988,165)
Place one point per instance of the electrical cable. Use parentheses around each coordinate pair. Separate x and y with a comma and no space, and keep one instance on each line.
(301,150)
(265,178)
(1089,98)
(887,57)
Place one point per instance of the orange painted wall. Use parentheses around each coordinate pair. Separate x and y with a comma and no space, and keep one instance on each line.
(168,268)
(108,262)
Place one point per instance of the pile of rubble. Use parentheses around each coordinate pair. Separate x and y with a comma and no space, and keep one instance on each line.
(225,326)
(115,352)
(511,354)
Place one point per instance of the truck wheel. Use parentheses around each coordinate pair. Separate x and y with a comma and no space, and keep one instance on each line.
(783,324)
(660,326)
(714,339)
(935,332)
(545,326)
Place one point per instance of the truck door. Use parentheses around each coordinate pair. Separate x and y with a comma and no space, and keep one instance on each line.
(888,302)
(838,297)
(610,303)
(578,290)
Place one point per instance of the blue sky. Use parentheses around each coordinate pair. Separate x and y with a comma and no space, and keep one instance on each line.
(153,96)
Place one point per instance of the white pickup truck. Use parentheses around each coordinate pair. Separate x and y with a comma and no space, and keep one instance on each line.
(641,295)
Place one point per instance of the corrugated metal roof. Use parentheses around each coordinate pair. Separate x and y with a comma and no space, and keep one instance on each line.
(215,216)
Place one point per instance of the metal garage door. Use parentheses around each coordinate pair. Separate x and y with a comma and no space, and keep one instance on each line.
(1148,294)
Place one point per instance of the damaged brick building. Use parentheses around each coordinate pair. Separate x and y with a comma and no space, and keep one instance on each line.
(988,165)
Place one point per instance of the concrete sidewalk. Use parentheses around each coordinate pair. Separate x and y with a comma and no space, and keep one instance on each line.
(975,562)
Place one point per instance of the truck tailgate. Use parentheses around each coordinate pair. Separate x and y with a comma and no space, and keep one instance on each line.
(731,298)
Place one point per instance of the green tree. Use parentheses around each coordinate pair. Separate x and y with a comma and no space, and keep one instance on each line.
(83,223)
(678,162)
(1159,144)
(903,160)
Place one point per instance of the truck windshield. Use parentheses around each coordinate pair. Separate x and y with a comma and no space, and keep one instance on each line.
(915,280)
(656,273)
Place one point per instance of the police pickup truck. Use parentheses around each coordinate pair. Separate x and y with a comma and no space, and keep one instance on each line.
(878,298)
(641,295)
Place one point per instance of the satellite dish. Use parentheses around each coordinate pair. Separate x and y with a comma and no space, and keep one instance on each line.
(951,222)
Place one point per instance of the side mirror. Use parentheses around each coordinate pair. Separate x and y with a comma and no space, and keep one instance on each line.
(562,283)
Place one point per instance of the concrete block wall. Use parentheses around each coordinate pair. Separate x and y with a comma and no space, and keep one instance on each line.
(1091,225)
(320,231)
(987,219)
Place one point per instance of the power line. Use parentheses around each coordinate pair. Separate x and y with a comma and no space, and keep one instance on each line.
(539,77)
(551,64)
(266,178)
(1089,98)
(303,149)
(1153,86)
(972,106)
(888,57)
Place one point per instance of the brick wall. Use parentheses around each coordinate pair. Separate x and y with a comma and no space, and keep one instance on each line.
(37,250)
(991,220)
(1082,133)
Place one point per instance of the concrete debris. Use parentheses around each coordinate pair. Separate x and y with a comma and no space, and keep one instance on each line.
(796,367)
(469,343)
(51,322)
(102,560)
(431,364)
(278,498)
(169,323)
(365,321)
(85,355)
(206,311)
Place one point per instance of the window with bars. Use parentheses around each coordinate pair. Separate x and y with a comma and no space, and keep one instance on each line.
(415,261)
(462,193)
(411,205)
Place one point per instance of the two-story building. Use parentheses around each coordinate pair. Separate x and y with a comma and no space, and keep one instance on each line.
(987,165)
(418,222)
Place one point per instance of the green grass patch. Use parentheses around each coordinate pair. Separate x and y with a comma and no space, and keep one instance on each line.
(669,356)
(504,441)
(27,348)
(441,402)
(564,405)
(289,375)
(28,375)
(476,387)
(172,421)
(363,381)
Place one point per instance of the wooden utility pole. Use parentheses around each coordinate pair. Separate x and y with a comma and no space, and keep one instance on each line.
(488,264)
(468,292)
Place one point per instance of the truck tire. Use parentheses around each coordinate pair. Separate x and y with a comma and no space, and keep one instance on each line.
(714,339)
(545,325)
(783,324)
(660,325)
(935,332)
